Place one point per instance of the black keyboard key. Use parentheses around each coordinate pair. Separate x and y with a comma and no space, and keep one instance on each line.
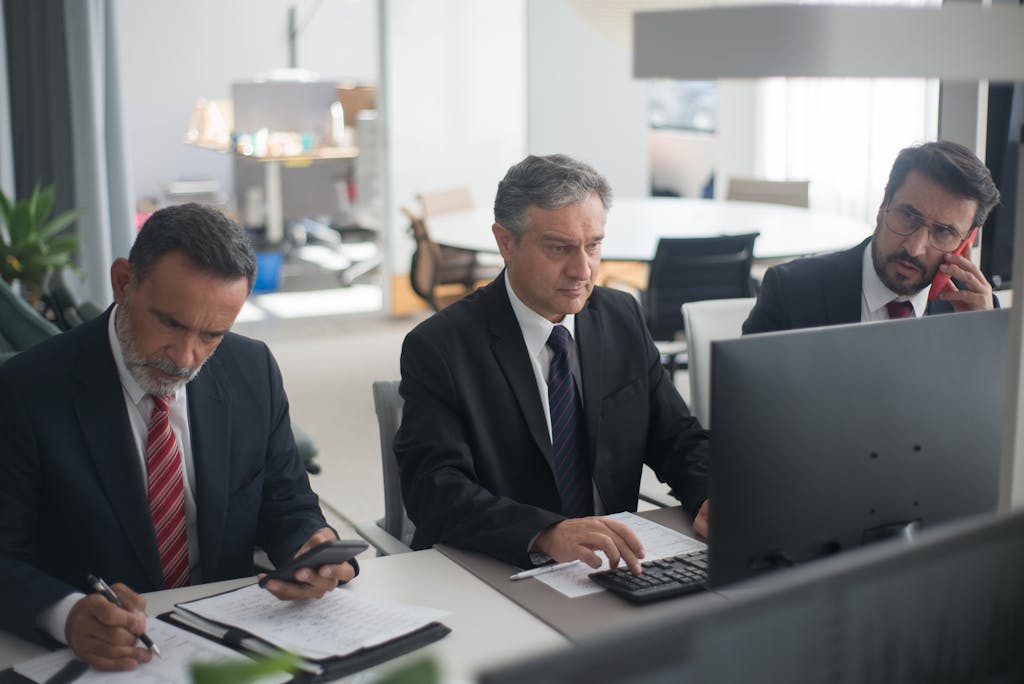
(661,579)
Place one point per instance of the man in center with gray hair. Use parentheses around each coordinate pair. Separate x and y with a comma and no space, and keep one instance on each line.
(532,405)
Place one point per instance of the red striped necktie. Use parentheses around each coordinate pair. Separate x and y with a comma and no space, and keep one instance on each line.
(900,309)
(167,495)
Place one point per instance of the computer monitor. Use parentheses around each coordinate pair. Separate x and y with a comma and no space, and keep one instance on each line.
(947,608)
(828,438)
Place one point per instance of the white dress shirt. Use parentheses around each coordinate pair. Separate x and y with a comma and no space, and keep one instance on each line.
(536,330)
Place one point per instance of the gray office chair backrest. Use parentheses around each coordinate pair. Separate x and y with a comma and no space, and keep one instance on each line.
(387,402)
(707,321)
(793,193)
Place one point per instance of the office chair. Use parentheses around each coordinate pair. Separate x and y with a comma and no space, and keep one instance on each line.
(21,326)
(440,274)
(793,193)
(689,270)
(62,295)
(393,533)
(707,321)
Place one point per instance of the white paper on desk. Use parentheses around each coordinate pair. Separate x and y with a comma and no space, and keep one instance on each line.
(659,542)
(178,648)
(337,624)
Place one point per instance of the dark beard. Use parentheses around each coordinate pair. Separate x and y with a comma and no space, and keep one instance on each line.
(900,287)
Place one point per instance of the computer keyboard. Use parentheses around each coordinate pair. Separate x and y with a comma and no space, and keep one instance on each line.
(660,579)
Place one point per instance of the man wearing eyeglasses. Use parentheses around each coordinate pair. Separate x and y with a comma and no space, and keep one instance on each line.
(936,195)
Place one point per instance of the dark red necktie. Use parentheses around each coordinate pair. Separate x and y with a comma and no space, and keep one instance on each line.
(900,309)
(572,475)
(167,495)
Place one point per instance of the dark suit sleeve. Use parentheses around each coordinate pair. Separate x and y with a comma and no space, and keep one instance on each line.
(290,511)
(769,312)
(24,590)
(442,492)
(678,448)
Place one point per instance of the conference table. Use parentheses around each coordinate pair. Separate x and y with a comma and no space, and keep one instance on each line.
(635,224)
(487,629)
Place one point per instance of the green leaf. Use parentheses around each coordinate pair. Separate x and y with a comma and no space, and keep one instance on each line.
(5,207)
(242,672)
(43,204)
(58,223)
(422,671)
(20,226)
(33,200)
(62,244)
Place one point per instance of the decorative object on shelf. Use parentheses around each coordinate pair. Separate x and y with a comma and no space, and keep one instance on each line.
(31,246)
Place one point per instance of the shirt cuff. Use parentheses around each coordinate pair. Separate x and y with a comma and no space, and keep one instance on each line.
(54,619)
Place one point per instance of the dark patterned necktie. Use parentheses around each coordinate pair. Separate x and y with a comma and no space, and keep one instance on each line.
(571,472)
(900,309)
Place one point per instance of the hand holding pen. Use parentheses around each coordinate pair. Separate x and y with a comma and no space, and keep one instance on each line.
(101,587)
(104,628)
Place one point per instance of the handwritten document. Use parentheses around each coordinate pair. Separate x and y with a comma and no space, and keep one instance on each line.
(337,624)
(179,648)
(659,542)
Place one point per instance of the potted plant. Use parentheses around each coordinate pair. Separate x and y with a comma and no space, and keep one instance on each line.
(30,247)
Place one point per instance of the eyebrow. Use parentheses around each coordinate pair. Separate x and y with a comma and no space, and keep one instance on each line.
(166,317)
(911,208)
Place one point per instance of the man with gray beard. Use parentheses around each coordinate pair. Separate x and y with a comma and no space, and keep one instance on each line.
(131,452)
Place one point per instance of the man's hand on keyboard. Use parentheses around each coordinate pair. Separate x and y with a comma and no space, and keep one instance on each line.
(700,523)
(579,538)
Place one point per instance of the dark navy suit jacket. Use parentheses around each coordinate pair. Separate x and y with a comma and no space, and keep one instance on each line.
(474,450)
(72,492)
(815,291)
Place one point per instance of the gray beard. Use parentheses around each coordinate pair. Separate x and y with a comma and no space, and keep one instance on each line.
(138,365)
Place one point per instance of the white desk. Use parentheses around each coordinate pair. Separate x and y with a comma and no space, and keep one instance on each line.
(487,628)
(635,225)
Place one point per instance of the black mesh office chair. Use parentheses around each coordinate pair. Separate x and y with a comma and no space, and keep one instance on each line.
(689,270)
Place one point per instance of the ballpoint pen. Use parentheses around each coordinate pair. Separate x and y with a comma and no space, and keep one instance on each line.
(101,587)
(542,570)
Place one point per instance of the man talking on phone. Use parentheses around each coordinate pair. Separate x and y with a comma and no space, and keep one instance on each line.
(938,193)
(134,453)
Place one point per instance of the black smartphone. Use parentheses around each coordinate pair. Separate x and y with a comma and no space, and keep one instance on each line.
(328,553)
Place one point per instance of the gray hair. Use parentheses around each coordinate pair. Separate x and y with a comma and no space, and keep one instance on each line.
(209,239)
(550,182)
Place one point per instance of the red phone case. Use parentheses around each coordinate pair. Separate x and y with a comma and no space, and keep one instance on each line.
(942,279)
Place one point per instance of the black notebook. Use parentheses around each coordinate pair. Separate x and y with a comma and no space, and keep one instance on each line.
(335,636)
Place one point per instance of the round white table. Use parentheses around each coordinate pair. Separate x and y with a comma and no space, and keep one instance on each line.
(635,224)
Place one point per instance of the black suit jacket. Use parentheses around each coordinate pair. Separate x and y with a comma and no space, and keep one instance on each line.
(474,450)
(72,491)
(816,291)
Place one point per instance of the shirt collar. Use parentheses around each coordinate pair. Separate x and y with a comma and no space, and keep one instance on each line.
(128,382)
(536,329)
(877,295)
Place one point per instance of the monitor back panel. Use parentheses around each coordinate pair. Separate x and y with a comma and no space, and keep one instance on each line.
(826,438)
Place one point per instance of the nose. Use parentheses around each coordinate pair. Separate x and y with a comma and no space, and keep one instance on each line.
(579,267)
(184,352)
(917,243)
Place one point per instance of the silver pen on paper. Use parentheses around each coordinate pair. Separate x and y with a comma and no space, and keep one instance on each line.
(542,570)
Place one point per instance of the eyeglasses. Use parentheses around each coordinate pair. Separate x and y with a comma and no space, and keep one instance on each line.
(905,221)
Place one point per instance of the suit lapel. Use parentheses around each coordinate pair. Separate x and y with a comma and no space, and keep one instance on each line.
(588,341)
(843,287)
(209,419)
(510,352)
(107,432)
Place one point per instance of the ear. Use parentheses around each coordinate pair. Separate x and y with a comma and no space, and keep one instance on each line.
(506,241)
(120,278)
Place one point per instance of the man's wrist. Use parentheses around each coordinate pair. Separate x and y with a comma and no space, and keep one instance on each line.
(54,619)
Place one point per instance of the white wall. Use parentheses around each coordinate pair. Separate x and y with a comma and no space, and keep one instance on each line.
(175,51)
(454,93)
(583,100)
